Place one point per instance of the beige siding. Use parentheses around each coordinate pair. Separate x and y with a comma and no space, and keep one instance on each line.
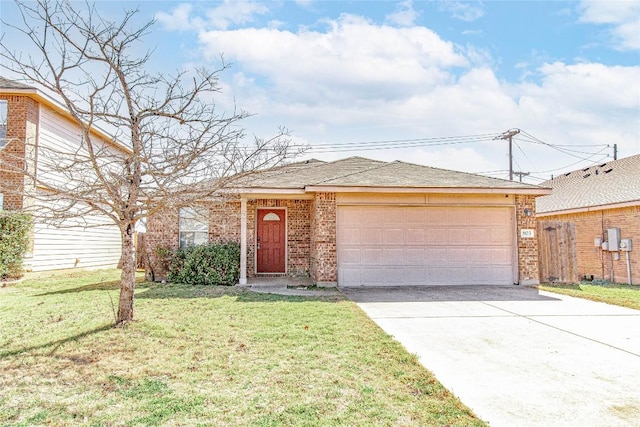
(57,247)
(93,242)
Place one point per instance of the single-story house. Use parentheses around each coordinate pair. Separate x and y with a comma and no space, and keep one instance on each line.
(362,222)
(31,125)
(575,219)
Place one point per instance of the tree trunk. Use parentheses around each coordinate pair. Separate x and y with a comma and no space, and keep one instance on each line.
(127,277)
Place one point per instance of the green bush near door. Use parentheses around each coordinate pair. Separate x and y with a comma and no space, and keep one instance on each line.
(208,264)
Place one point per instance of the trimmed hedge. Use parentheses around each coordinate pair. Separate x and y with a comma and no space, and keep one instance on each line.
(14,242)
(208,264)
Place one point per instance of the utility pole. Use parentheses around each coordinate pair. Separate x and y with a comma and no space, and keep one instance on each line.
(509,135)
(521,174)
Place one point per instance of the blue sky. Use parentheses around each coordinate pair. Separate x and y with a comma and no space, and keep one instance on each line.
(358,72)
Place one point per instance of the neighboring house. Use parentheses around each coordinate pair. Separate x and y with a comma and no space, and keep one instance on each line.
(361,222)
(31,121)
(575,218)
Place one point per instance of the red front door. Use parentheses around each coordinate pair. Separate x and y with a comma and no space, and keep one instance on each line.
(270,242)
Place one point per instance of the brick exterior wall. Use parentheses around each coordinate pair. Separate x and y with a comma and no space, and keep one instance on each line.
(595,262)
(22,127)
(324,262)
(224,226)
(528,272)
(298,234)
(311,236)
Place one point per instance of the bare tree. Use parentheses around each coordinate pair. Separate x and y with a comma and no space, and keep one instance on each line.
(170,145)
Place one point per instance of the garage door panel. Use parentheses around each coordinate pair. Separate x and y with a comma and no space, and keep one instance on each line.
(352,235)
(415,236)
(436,236)
(393,236)
(371,236)
(393,256)
(457,236)
(415,256)
(372,256)
(374,275)
(380,245)
(351,256)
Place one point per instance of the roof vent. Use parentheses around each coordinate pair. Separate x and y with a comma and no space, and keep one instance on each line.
(567,174)
(608,170)
(585,169)
(586,175)
(603,165)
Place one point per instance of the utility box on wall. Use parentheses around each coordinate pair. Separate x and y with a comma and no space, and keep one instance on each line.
(613,238)
(625,245)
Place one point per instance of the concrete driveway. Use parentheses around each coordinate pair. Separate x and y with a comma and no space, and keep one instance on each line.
(518,356)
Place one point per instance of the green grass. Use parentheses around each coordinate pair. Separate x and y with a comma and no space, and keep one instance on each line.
(623,295)
(209,356)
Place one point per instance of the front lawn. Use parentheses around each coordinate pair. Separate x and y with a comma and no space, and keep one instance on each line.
(211,356)
(623,295)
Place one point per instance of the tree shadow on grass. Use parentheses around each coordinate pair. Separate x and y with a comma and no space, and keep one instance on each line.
(109,285)
(56,344)
(164,291)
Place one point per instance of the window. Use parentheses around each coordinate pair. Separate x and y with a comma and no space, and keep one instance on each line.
(3,123)
(193,226)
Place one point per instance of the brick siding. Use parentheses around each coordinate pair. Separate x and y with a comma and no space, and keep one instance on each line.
(324,261)
(528,271)
(22,127)
(595,262)
(298,234)
(224,226)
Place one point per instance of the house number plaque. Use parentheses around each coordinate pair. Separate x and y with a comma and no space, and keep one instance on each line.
(527,233)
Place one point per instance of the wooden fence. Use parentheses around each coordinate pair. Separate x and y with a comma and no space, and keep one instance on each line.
(557,256)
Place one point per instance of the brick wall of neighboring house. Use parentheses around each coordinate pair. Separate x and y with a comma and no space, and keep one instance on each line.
(22,126)
(298,234)
(324,263)
(527,246)
(595,262)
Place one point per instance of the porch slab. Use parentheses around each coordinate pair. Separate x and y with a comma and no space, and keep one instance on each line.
(294,286)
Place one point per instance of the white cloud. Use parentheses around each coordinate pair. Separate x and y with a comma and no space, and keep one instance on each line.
(359,81)
(465,11)
(622,17)
(404,16)
(178,19)
(233,12)
(354,61)
(223,16)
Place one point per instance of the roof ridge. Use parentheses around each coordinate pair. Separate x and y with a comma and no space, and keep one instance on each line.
(468,173)
(355,172)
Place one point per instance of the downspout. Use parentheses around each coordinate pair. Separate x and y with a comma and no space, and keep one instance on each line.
(628,267)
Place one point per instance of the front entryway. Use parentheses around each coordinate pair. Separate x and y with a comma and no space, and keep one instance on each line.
(271,241)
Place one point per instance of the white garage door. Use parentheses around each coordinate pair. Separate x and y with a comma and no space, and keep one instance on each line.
(385,245)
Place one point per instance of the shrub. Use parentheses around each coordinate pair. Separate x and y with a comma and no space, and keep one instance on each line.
(14,242)
(208,264)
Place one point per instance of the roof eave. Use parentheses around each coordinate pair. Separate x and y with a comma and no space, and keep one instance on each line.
(460,190)
(590,208)
(44,99)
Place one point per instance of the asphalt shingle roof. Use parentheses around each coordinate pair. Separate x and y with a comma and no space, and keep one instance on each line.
(609,183)
(12,84)
(361,172)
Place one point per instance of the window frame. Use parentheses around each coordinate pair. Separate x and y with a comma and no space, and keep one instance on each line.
(193,226)
(4,116)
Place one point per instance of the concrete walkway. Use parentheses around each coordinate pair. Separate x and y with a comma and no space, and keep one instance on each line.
(517,356)
(289,286)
